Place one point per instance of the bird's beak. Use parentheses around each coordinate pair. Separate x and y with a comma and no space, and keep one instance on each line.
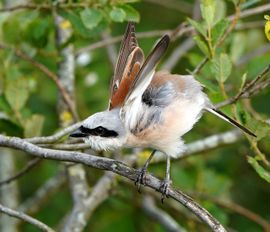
(77,134)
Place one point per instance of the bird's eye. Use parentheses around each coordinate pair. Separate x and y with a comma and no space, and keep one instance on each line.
(100,130)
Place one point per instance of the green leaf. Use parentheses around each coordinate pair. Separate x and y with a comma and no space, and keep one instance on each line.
(243,81)
(198,26)
(10,128)
(16,89)
(1,84)
(4,106)
(221,67)
(201,44)
(16,93)
(118,14)
(75,21)
(91,17)
(33,126)
(219,29)
(209,85)
(208,8)
(264,174)
(220,10)
(8,28)
(131,14)
(259,127)
(37,32)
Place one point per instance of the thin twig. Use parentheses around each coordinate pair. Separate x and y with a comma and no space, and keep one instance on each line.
(159,215)
(116,167)
(186,30)
(247,89)
(199,67)
(45,6)
(49,73)
(116,39)
(56,137)
(232,25)
(234,207)
(253,11)
(26,218)
(31,164)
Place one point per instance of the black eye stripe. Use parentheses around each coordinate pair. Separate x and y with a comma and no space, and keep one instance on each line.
(85,130)
(99,131)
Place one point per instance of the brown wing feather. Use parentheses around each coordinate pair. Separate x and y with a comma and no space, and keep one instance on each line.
(132,69)
(128,44)
(129,55)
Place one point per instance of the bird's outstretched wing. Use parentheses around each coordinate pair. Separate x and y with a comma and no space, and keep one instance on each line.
(128,64)
(132,106)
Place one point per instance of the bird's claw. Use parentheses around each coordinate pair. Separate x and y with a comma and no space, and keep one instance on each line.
(140,179)
(164,189)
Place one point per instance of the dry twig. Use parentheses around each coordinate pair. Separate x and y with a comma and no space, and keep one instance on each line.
(26,218)
(116,167)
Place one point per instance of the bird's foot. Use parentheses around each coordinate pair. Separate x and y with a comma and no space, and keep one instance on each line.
(140,178)
(164,189)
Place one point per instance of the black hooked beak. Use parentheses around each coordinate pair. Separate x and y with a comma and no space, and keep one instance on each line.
(78,134)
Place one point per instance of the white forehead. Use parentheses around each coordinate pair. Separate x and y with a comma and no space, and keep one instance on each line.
(107,119)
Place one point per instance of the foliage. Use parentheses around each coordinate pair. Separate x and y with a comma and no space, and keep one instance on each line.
(28,100)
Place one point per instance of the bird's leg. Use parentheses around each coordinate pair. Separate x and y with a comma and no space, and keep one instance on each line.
(165,184)
(141,176)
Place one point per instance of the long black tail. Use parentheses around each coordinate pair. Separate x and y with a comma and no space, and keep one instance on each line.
(229,120)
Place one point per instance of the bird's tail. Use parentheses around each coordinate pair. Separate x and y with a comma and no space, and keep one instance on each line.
(229,120)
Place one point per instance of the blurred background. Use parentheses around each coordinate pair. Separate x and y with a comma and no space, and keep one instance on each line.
(75,43)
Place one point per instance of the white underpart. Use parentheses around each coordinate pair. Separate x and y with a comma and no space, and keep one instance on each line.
(99,143)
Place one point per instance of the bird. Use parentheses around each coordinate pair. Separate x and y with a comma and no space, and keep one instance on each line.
(148,108)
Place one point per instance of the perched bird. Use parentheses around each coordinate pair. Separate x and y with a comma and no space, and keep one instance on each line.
(148,108)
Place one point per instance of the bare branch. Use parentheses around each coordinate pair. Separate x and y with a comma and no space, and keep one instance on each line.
(116,39)
(89,203)
(253,11)
(57,136)
(236,208)
(9,194)
(162,217)
(48,7)
(26,218)
(116,167)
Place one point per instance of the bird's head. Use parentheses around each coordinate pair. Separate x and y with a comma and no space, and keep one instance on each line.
(102,131)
